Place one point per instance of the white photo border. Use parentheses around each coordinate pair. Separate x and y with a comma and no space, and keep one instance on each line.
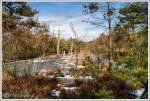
(75,1)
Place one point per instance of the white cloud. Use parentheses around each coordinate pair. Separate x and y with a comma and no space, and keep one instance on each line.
(62,23)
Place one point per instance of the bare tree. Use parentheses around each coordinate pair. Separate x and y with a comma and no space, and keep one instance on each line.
(76,43)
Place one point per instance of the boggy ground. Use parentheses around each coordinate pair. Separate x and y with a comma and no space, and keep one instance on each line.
(104,87)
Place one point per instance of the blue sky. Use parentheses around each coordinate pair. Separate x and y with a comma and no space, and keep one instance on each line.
(59,16)
(58,9)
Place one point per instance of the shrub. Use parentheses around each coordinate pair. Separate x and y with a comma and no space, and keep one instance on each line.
(137,75)
(104,94)
(111,85)
(91,69)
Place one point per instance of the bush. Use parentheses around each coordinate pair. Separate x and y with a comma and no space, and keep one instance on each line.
(104,93)
(110,85)
(91,69)
(137,76)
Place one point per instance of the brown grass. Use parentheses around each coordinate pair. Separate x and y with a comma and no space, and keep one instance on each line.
(34,86)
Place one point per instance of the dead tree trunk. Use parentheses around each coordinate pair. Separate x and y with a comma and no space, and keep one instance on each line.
(58,42)
(76,55)
(71,47)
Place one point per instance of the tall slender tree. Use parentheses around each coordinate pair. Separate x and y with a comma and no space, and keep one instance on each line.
(104,21)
